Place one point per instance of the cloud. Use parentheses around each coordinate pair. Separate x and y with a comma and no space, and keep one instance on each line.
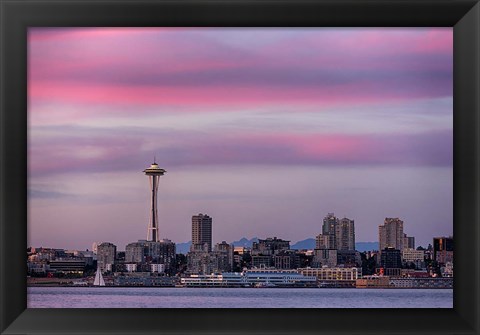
(42,194)
(200,67)
(72,150)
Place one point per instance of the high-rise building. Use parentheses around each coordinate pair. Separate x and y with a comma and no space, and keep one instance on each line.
(336,233)
(153,173)
(390,234)
(201,232)
(329,228)
(106,253)
(345,234)
(323,242)
(443,249)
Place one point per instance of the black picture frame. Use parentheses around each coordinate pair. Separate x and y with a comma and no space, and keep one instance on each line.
(18,15)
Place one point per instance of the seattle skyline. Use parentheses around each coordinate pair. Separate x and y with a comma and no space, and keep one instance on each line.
(266,130)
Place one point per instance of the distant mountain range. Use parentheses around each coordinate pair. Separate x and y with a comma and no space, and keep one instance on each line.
(183,248)
(309,243)
(244,242)
(366,246)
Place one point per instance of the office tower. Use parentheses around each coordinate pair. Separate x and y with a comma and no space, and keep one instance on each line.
(202,232)
(345,234)
(106,253)
(153,173)
(390,234)
(329,229)
(443,249)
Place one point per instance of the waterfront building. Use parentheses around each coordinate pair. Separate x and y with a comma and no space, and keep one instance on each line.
(36,267)
(405,273)
(67,265)
(225,279)
(281,278)
(390,234)
(106,253)
(373,282)
(255,278)
(143,279)
(333,277)
(154,172)
(443,249)
(201,232)
(422,283)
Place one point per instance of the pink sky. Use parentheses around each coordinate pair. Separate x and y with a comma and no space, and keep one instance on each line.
(373,104)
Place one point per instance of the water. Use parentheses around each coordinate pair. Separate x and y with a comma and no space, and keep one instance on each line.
(155,297)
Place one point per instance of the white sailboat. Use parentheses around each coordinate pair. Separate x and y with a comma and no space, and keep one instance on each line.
(98,278)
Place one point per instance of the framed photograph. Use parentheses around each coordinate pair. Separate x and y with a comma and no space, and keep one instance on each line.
(239,167)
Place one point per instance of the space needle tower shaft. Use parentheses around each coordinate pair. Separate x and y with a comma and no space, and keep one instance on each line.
(153,172)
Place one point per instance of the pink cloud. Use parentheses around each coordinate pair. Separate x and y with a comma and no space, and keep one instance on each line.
(82,150)
(362,91)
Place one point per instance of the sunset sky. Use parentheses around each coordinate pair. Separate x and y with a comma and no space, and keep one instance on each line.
(266,130)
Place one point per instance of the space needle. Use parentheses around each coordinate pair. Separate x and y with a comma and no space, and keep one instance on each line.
(153,172)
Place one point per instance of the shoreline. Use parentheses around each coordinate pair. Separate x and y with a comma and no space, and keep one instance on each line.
(242,287)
